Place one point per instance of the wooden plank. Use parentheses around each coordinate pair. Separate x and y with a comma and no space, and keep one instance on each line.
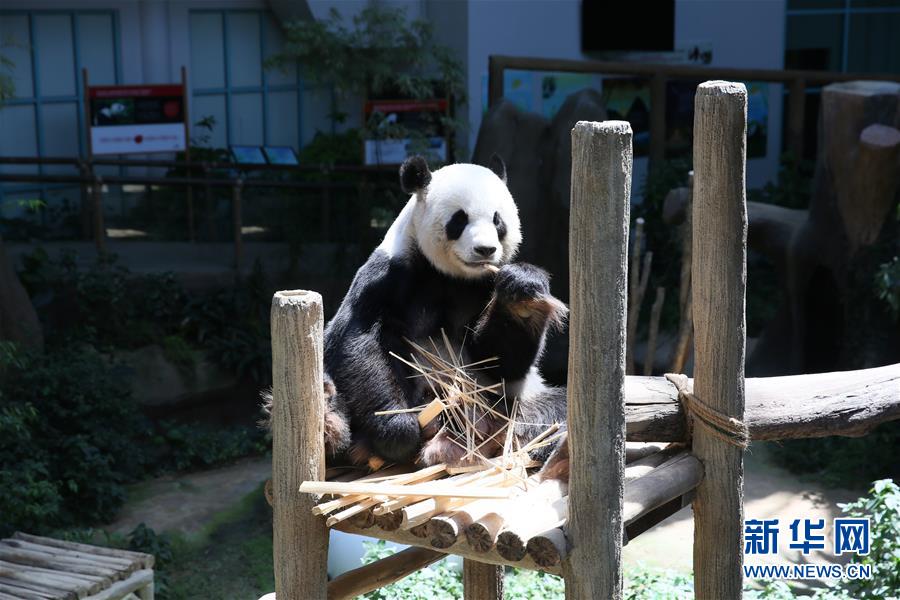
(145,560)
(796,117)
(719,274)
(482,581)
(499,63)
(598,276)
(300,545)
(382,572)
(136,582)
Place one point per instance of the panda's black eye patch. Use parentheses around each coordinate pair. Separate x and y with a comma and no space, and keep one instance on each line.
(457,224)
(500,225)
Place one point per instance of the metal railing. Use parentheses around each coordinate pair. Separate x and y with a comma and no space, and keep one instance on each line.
(658,74)
(205,175)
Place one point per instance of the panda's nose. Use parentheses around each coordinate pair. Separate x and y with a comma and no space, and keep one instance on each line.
(485,251)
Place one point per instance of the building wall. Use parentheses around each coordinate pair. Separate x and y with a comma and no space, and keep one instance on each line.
(742,33)
(155,38)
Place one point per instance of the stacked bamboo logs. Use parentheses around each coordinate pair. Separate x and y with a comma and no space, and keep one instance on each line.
(524,529)
(40,567)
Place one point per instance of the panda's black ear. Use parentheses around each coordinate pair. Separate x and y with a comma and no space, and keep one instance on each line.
(497,165)
(414,175)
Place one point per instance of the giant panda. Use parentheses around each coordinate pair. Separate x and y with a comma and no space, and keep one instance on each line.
(430,277)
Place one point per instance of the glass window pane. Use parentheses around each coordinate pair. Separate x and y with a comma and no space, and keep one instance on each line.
(244,59)
(96,47)
(55,59)
(246,125)
(59,123)
(316,108)
(18,126)
(274,44)
(282,119)
(209,106)
(15,42)
(207,51)
(874,43)
(814,42)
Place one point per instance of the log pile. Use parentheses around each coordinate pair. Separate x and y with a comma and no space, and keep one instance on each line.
(496,515)
(40,567)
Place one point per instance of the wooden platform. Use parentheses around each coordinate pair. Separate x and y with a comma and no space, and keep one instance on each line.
(525,529)
(33,567)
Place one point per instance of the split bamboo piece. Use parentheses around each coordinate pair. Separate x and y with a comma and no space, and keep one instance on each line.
(401,491)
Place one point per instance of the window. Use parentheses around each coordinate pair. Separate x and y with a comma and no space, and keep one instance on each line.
(251,105)
(843,35)
(48,50)
(858,36)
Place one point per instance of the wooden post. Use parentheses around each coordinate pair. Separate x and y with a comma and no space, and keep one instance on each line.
(495,81)
(237,224)
(796,117)
(719,275)
(482,581)
(657,120)
(298,451)
(598,277)
(97,207)
(187,152)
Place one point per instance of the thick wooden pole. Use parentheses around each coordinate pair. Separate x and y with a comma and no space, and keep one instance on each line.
(482,581)
(719,274)
(598,279)
(298,452)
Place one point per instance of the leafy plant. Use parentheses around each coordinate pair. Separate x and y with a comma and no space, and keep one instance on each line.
(882,507)
(437,581)
(887,285)
(378,54)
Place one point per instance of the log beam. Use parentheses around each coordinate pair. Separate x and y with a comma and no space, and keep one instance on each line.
(845,403)
(382,572)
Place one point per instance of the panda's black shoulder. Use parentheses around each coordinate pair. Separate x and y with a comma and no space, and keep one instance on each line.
(377,286)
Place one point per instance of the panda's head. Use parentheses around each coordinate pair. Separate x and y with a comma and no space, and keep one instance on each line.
(464,216)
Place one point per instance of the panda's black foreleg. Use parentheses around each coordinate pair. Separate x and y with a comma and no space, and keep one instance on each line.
(513,326)
(367,382)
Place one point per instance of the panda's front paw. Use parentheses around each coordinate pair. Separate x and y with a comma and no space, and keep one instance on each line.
(518,282)
(524,291)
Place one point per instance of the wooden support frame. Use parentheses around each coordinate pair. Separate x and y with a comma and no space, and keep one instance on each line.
(598,277)
(300,544)
(719,273)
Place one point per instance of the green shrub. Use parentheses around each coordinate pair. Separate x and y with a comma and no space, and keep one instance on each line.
(71,437)
(882,507)
(68,432)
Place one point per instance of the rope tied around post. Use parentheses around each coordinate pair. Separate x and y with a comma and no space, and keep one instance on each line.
(726,428)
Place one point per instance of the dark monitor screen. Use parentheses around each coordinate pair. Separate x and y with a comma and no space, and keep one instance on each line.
(627,25)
